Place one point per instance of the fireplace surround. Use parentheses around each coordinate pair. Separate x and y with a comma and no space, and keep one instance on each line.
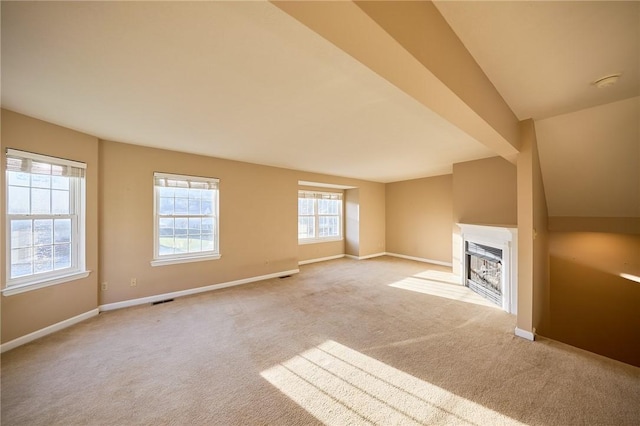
(489,262)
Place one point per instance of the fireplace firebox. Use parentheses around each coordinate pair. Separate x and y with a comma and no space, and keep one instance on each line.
(484,271)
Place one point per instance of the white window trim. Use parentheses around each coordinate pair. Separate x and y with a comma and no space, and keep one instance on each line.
(186,259)
(44,282)
(320,240)
(78,267)
(303,241)
(175,259)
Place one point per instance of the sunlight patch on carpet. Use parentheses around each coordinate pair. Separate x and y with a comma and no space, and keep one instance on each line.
(441,288)
(338,386)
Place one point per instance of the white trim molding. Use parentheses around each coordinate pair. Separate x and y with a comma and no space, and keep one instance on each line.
(21,288)
(47,330)
(526,334)
(419,259)
(187,259)
(368,256)
(504,238)
(174,294)
(320,259)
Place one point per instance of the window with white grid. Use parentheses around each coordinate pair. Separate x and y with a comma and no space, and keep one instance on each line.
(186,218)
(319,216)
(45,220)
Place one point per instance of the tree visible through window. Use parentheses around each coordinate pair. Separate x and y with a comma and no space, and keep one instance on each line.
(319,216)
(186,217)
(45,207)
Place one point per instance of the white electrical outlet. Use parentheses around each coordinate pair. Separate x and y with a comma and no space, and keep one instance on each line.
(104,286)
(134,282)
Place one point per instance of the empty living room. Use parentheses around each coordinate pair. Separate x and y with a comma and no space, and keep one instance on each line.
(320,213)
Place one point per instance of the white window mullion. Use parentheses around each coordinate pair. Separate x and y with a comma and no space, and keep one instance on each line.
(333,201)
(166,187)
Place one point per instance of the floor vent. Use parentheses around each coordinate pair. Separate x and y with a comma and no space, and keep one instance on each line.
(162,301)
(285,276)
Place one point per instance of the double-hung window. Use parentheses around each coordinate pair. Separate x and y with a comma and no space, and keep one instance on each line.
(45,221)
(319,216)
(185,219)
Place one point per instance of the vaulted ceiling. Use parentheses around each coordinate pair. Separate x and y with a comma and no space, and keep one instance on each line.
(247,81)
(543,58)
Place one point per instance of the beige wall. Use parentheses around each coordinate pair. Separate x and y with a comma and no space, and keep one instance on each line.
(485,192)
(372,220)
(320,250)
(394,40)
(27,312)
(352,222)
(541,289)
(420,28)
(419,214)
(258,221)
(533,279)
(592,306)
(365,206)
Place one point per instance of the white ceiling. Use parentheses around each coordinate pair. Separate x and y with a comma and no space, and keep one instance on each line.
(542,57)
(236,80)
(245,81)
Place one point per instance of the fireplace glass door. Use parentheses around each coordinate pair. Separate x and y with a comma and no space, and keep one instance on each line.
(484,271)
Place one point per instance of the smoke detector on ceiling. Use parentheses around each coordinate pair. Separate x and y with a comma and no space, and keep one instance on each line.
(606,81)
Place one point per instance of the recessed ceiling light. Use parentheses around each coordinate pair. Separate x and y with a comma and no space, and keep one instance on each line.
(606,81)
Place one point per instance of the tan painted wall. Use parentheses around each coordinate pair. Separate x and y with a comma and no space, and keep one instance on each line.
(533,277)
(27,312)
(258,214)
(365,206)
(418,218)
(320,250)
(352,222)
(614,225)
(541,295)
(372,220)
(485,192)
(394,39)
(258,220)
(592,306)
(420,28)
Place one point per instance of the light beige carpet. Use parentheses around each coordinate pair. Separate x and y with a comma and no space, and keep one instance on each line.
(343,342)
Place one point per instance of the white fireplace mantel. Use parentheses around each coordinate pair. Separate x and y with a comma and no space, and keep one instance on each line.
(501,237)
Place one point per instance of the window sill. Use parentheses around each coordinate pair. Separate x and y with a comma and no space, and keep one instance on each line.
(318,240)
(189,259)
(37,284)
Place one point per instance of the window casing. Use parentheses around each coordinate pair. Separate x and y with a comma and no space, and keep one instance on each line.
(45,221)
(319,216)
(186,223)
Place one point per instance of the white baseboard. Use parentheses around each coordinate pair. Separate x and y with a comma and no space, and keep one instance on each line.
(526,334)
(47,330)
(420,259)
(368,256)
(320,259)
(172,295)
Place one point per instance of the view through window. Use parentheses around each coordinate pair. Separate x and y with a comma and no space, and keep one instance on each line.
(186,217)
(319,216)
(45,207)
